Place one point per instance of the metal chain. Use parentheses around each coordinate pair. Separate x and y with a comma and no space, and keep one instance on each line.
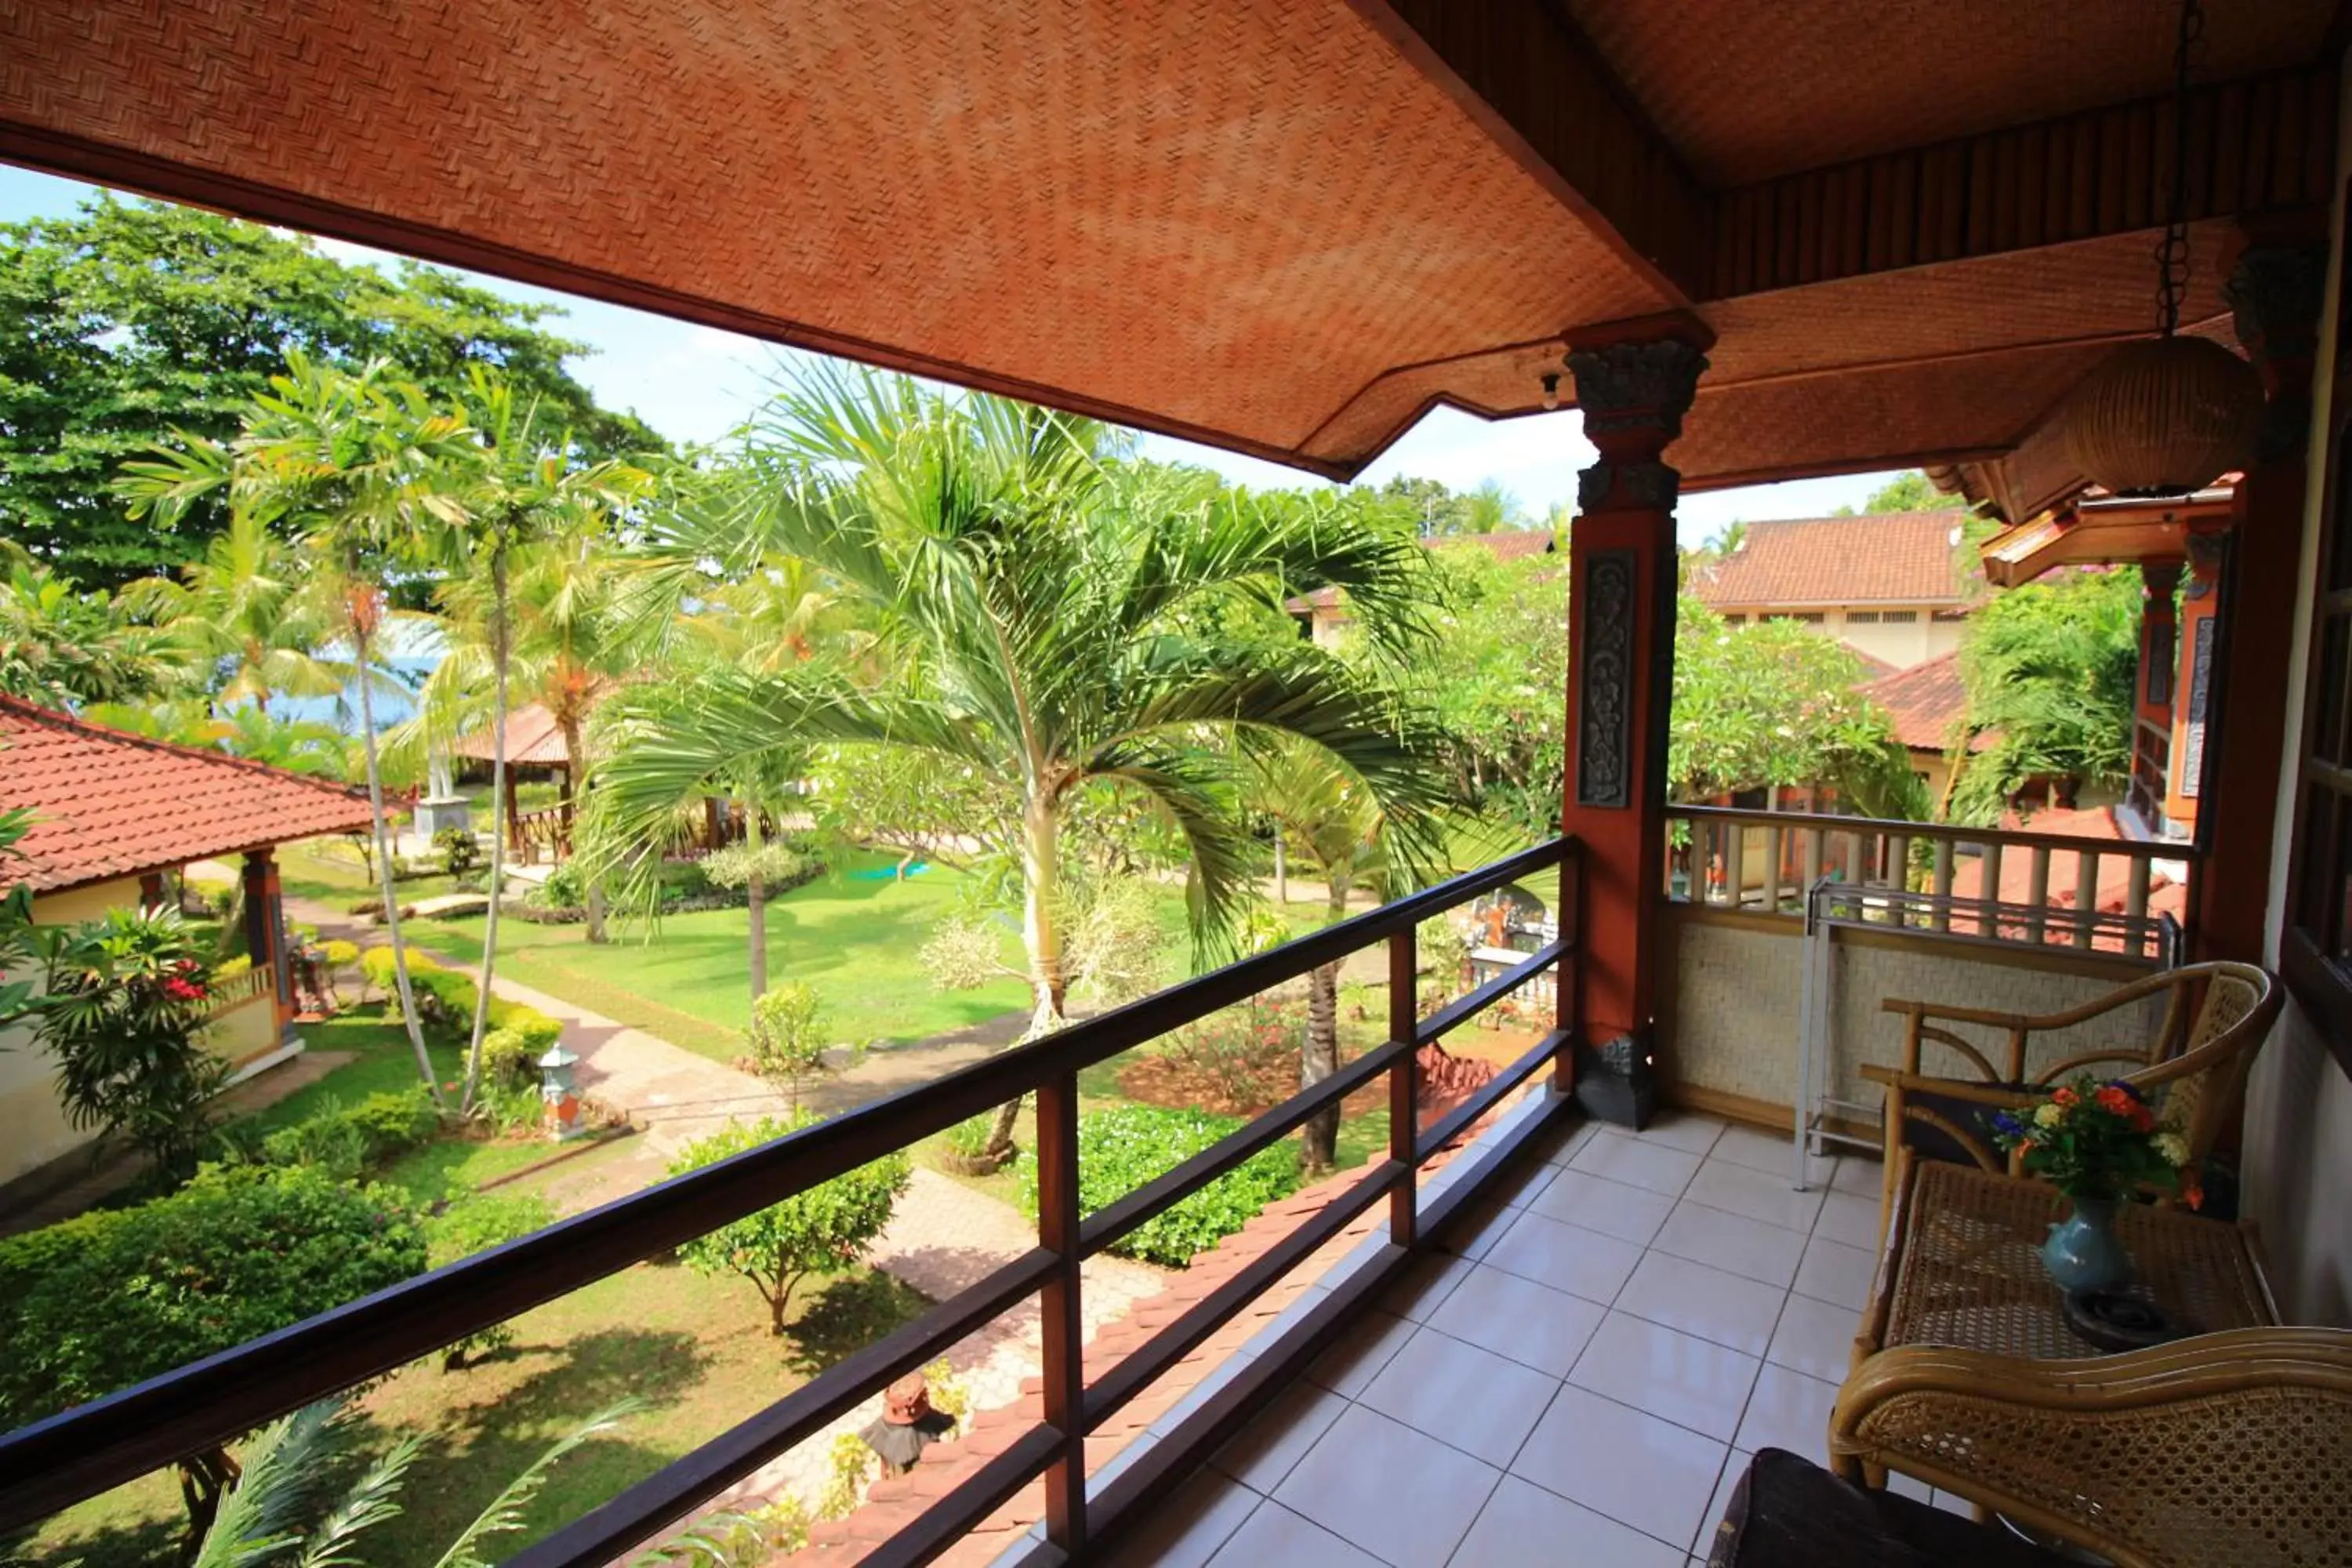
(2172,251)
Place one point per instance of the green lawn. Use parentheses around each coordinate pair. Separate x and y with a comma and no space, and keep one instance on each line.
(853,940)
(695,1351)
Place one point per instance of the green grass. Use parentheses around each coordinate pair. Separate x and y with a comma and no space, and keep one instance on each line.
(854,940)
(697,1350)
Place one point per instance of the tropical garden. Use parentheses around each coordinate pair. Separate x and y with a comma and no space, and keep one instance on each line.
(902,716)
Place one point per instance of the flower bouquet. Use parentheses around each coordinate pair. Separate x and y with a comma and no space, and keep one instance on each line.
(2097,1143)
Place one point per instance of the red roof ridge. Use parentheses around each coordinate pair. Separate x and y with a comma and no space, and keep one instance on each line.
(35,712)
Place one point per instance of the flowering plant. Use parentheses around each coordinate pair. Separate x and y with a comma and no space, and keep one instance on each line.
(2094,1140)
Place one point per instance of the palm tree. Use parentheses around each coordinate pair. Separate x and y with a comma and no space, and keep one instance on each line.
(344,461)
(1340,829)
(241,610)
(1055,624)
(60,647)
(521,488)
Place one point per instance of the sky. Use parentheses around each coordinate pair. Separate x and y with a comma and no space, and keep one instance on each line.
(695,383)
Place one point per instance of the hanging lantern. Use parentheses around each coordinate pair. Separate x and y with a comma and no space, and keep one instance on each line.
(2170,415)
(2164,417)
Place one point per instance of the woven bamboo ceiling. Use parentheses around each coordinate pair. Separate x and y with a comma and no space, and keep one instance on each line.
(1286,227)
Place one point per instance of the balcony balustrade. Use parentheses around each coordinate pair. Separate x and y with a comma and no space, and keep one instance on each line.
(81,1452)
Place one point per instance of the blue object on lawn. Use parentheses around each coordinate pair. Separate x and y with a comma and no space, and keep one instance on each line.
(889,873)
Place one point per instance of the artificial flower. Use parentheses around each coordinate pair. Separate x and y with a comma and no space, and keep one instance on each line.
(2063,1095)
(2173,1147)
(2049,1115)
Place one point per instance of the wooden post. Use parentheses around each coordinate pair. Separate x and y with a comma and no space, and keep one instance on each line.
(2274,292)
(1634,382)
(1943,886)
(1405,1101)
(265,931)
(1062,1327)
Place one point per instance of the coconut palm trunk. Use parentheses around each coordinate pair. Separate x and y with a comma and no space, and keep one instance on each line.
(592,892)
(362,644)
(500,652)
(1318,1053)
(1041,935)
(756,891)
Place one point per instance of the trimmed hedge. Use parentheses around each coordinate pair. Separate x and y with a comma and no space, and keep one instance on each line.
(116,1296)
(519,1034)
(345,1142)
(1121,1149)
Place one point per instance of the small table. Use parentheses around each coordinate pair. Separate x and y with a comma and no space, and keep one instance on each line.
(1962,1268)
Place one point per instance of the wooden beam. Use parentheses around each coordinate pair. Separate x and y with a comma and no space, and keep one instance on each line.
(1527,76)
(2261,144)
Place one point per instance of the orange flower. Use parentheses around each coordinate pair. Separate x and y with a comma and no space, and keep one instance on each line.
(2191,1193)
(2064,1097)
(2115,1102)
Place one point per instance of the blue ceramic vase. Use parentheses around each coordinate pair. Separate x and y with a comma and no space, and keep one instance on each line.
(2082,1253)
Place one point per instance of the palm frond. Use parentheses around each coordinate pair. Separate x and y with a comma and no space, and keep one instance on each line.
(505,1513)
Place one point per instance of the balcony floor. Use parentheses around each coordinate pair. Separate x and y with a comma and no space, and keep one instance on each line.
(1581,1384)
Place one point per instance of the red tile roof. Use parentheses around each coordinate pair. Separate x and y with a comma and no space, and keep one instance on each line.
(533,739)
(1873,666)
(1892,558)
(109,804)
(1926,701)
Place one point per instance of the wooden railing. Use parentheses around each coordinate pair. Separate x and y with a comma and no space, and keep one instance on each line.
(237,989)
(549,829)
(1764,861)
(79,1453)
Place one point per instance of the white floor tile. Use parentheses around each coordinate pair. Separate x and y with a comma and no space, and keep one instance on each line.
(1523,1524)
(1274,1534)
(1764,1195)
(1728,1309)
(1612,1208)
(1560,1152)
(1850,1218)
(1690,1381)
(1427,1281)
(1732,1243)
(1387,1488)
(1860,1175)
(1475,1233)
(1688,1131)
(1349,1365)
(1771,1153)
(1565,1257)
(1832,1271)
(1654,1166)
(1789,1410)
(1815,1338)
(1185,1530)
(1532,1325)
(1638,1469)
(1458,1394)
(1735,1465)
(1264,1452)
(1522,1184)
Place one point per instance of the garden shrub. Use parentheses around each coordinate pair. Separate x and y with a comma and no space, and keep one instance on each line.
(477,1222)
(339,954)
(231,966)
(1121,1149)
(824,1230)
(563,890)
(1242,1050)
(345,1141)
(968,1139)
(507,1059)
(459,848)
(116,1296)
(512,1109)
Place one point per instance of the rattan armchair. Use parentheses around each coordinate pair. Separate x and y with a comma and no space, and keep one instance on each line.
(2229,1449)
(2192,1070)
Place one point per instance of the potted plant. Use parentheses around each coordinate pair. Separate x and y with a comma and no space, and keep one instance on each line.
(2097,1143)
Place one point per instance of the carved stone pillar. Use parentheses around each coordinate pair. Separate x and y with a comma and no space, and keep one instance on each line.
(1634,391)
(2274,293)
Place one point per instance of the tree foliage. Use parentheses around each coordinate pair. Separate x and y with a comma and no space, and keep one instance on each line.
(61,645)
(1496,674)
(1775,703)
(2050,670)
(787,1038)
(824,1230)
(123,1018)
(132,321)
(1125,1147)
(118,1296)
